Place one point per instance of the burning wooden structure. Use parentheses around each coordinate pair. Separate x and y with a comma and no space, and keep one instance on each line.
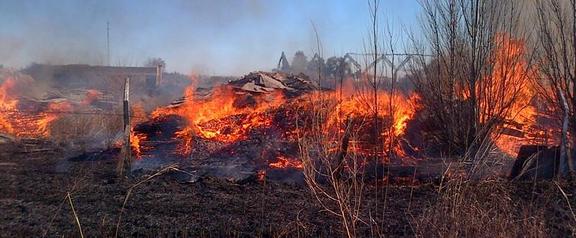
(250,127)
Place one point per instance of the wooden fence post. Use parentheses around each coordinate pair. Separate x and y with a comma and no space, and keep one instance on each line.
(125,162)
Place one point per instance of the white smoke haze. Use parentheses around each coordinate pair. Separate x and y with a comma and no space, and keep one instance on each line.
(223,37)
(202,36)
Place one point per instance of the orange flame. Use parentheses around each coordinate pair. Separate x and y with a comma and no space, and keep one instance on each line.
(228,116)
(34,122)
(283,162)
(393,113)
(138,116)
(7,105)
(205,115)
(53,112)
(92,96)
(507,93)
(135,143)
(26,124)
(510,85)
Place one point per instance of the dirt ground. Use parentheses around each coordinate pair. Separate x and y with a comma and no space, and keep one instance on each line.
(34,202)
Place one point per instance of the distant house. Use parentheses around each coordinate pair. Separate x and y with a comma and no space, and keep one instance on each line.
(106,78)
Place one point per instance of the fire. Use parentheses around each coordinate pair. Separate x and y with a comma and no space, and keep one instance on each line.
(510,85)
(92,96)
(393,113)
(138,115)
(51,114)
(261,175)
(7,105)
(226,131)
(396,106)
(283,162)
(228,116)
(24,119)
(135,143)
(224,115)
(507,93)
(26,123)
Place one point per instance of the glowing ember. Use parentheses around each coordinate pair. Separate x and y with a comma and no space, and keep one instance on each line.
(283,162)
(261,175)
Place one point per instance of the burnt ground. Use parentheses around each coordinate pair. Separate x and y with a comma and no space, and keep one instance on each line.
(34,188)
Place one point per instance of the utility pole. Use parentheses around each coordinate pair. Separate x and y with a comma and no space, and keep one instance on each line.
(108,43)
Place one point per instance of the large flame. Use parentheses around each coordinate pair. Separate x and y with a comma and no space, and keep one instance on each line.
(205,114)
(31,123)
(7,106)
(227,115)
(396,106)
(25,118)
(510,91)
(384,111)
(506,94)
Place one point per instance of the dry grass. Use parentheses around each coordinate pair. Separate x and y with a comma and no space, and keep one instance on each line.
(491,209)
(86,130)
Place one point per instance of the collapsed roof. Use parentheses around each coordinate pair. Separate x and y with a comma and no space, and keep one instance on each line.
(265,82)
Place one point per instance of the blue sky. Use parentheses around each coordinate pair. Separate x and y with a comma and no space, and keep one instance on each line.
(225,37)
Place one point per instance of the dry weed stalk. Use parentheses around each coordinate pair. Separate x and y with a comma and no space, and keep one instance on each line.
(333,174)
(84,130)
(565,196)
(78,181)
(166,169)
(75,215)
(485,209)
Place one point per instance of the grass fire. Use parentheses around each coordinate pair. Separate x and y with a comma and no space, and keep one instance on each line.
(418,118)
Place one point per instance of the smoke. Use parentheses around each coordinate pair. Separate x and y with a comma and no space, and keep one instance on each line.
(225,37)
(47,33)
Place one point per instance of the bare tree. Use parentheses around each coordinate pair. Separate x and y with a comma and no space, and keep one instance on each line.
(299,62)
(153,62)
(478,72)
(557,60)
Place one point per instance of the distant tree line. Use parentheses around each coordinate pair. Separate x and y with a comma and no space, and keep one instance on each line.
(333,67)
